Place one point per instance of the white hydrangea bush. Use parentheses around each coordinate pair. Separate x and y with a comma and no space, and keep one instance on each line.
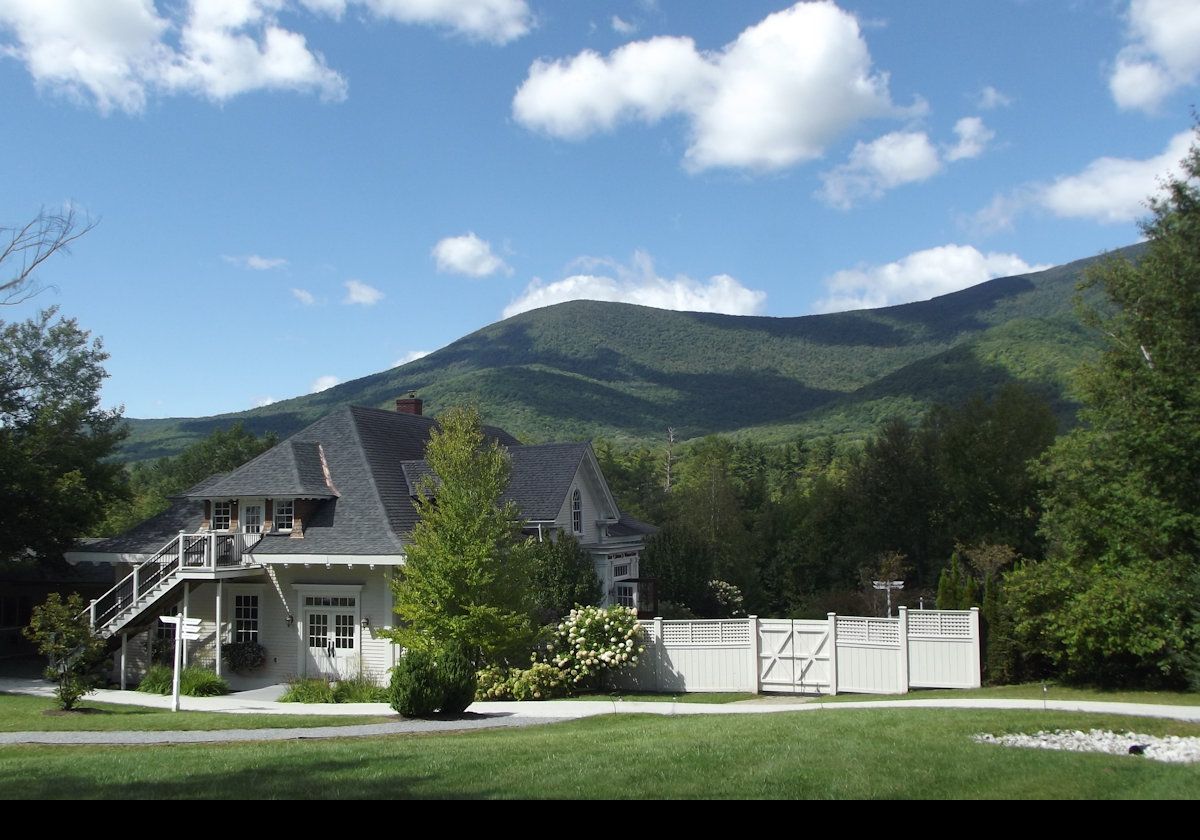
(592,641)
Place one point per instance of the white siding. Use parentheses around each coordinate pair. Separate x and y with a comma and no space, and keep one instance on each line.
(283,643)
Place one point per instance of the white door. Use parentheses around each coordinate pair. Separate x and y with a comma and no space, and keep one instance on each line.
(332,644)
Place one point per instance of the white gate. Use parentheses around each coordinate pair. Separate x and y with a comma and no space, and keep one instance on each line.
(796,656)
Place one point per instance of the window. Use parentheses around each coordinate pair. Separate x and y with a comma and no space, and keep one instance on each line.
(252,519)
(621,570)
(245,618)
(625,595)
(576,513)
(329,600)
(284,513)
(222,513)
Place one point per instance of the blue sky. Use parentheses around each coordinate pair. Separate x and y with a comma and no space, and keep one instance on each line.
(292,193)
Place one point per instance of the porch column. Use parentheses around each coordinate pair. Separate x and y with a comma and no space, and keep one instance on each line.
(220,624)
(124,654)
(187,600)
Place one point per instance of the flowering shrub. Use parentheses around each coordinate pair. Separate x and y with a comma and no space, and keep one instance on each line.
(594,640)
(540,681)
(728,599)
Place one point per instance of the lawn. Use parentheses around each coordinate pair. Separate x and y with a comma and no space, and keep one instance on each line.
(1033,691)
(657,697)
(20,713)
(907,753)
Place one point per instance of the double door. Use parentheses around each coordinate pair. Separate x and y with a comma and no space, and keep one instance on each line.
(332,642)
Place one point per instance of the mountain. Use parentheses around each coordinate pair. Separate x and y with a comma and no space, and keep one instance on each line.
(587,369)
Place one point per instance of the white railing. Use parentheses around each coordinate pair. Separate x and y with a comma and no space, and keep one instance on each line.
(201,552)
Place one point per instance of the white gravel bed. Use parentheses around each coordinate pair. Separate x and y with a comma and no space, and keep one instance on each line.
(1172,748)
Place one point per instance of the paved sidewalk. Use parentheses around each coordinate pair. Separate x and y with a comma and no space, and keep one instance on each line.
(490,715)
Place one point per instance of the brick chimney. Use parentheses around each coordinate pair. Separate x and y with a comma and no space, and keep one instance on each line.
(410,404)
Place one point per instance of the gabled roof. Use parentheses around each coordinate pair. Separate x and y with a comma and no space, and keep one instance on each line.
(293,468)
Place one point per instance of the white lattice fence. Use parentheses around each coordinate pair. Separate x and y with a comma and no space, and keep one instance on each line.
(921,649)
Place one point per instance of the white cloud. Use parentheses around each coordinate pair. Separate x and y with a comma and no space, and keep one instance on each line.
(256,262)
(901,157)
(623,27)
(973,137)
(777,95)
(1162,54)
(898,158)
(262,402)
(919,276)
(411,356)
(639,283)
(360,293)
(304,296)
(1113,190)
(497,21)
(323,383)
(990,98)
(117,53)
(469,255)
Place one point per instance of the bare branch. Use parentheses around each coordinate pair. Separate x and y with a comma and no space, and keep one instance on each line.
(23,249)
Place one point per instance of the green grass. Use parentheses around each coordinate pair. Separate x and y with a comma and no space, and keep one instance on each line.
(652,697)
(874,754)
(1033,691)
(29,714)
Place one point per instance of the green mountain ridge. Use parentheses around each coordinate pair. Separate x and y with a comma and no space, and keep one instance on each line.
(586,369)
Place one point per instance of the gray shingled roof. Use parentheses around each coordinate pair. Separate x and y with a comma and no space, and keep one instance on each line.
(149,536)
(541,475)
(293,468)
(374,459)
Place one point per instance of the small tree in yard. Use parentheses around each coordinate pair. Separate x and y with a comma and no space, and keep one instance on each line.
(465,579)
(63,633)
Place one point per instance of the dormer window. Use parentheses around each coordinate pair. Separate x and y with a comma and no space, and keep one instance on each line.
(284,513)
(221,516)
(576,512)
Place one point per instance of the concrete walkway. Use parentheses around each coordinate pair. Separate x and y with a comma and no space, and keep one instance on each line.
(490,715)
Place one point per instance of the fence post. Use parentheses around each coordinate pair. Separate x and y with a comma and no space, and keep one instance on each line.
(659,652)
(976,672)
(755,685)
(833,665)
(903,664)
(92,613)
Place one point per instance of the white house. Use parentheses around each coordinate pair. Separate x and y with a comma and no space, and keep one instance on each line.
(296,549)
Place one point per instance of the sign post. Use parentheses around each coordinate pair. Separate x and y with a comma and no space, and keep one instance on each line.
(888,586)
(186,629)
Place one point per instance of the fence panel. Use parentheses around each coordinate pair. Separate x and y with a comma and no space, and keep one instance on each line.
(795,656)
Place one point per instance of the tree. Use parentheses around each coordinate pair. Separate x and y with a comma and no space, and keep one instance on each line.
(465,581)
(63,634)
(561,577)
(30,245)
(56,479)
(1116,599)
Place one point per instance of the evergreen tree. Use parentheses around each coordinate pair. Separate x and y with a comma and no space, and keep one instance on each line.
(1116,600)
(465,581)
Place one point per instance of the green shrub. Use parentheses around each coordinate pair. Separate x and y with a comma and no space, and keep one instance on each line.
(539,681)
(494,683)
(63,634)
(194,681)
(244,657)
(360,689)
(308,690)
(157,680)
(415,690)
(457,681)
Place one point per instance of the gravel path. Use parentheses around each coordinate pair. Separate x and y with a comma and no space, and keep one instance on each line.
(399,727)
(1172,748)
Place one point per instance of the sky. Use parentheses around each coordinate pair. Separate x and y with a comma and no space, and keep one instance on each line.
(290,194)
